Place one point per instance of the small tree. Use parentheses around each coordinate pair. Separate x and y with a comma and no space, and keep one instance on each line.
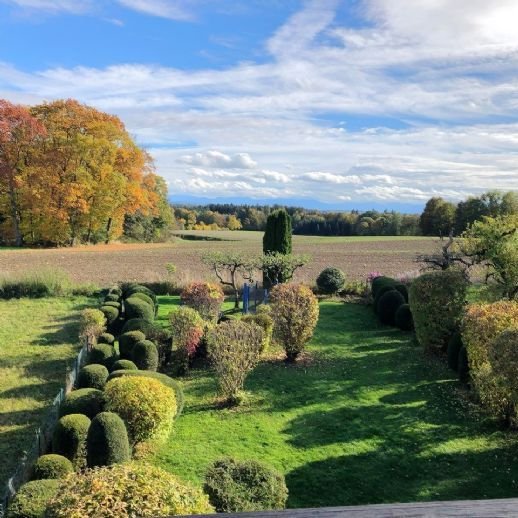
(234,350)
(295,315)
(279,268)
(277,235)
(187,326)
(230,268)
(205,297)
(92,324)
(494,243)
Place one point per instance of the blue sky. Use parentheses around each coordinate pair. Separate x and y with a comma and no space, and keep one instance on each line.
(328,103)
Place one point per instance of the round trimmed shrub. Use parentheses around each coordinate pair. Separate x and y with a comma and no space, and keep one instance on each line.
(127,341)
(107,442)
(463,365)
(144,297)
(52,466)
(146,405)
(32,499)
(138,288)
(381,291)
(137,324)
(69,438)
(454,347)
(121,365)
(388,304)
(238,486)
(402,288)
(137,308)
(92,376)
(145,355)
(403,318)
(331,280)
(163,378)
(103,354)
(111,314)
(125,491)
(115,290)
(112,297)
(106,338)
(116,305)
(265,322)
(87,401)
(378,282)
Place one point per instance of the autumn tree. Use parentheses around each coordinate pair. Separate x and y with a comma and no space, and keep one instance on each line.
(19,131)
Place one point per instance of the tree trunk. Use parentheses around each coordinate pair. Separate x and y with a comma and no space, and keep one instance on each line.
(15,215)
(108,228)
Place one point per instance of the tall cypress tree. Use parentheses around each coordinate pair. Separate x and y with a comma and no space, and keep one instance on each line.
(277,235)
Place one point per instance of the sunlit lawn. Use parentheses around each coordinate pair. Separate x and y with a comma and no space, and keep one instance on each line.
(366,418)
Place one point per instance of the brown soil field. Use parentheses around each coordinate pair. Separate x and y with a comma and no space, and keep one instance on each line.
(104,264)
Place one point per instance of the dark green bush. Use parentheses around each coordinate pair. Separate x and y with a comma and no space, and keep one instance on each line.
(378,282)
(87,401)
(454,347)
(106,338)
(238,486)
(137,324)
(331,280)
(463,365)
(107,442)
(121,365)
(92,376)
(145,355)
(127,341)
(112,297)
(32,499)
(166,380)
(381,291)
(103,354)
(437,302)
(137,308)
(139,288)
(111,314)
(402,288)
(116,305)
(403,318)
(388,304)
(69,438)
(143,297)
(52,466)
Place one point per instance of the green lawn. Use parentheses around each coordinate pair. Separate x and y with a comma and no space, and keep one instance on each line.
(366,419)
(38,339)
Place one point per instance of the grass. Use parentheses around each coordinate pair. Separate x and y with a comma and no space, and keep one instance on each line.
(38,339)
(366,418)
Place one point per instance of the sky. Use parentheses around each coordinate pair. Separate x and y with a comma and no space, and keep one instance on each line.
(323,103)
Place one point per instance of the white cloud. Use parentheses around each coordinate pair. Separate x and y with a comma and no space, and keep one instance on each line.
(172,9)
(219,159)
(52,6)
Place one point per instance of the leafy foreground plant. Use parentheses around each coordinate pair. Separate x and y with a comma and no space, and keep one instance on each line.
(234,350)
(124,491)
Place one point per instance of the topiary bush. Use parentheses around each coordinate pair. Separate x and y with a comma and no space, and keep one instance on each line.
(127,491)
(92,323)
(146,405)
(205,297)
(87,401)
(121,365)
(482,325)
(69,438)
(111,314)
(381,291)
(379,282)
(388,304)
(403,318)
(92,376)
(127,341)
(52,466)
(137,324)
(139,288)
(295,315)
(116,305)
(32,499)
(106,338)
(112,297)
(331,281)
(103,354)
(403,289)
(437,301)
(144,297)
(234,350)
(187,330)
(137,308)
(163,378)
(145,355)
(107,441)
(454,347)
(238,486)
(265,322)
